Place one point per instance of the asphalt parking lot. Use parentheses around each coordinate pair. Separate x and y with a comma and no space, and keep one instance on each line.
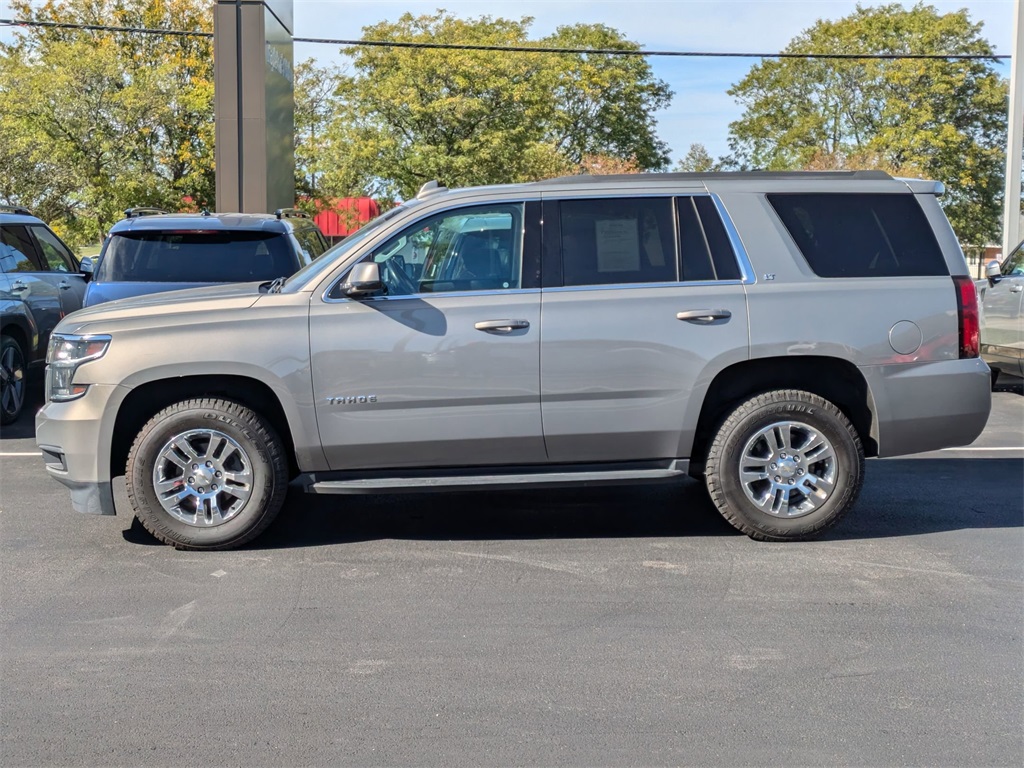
(587,627)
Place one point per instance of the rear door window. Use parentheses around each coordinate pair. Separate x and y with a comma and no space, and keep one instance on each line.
(196,257)
(618,241)
(861,235)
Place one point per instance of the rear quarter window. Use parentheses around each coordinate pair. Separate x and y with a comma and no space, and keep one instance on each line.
(861,235)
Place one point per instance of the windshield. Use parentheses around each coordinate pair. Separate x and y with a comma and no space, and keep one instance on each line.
(211,256)
(337,254)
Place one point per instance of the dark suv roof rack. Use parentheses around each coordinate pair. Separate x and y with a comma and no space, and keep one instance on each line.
(134,213)
(291,213)
(15,209)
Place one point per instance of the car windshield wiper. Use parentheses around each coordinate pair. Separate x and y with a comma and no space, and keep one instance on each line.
(276,285)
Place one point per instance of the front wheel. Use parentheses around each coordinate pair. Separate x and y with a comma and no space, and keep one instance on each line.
(785,465)
(206,474)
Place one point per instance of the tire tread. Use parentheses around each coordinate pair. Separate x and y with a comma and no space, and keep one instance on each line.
(275,455)
(713,467)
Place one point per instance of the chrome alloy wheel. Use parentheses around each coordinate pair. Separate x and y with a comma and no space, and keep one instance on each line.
(12,380)
(788,469)
(202,477)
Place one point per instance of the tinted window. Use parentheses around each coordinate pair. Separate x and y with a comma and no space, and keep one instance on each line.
(17,253)
(696,258)
(1014,264)
(722,254)
(55,254)
(196,257)
(618,241)
(311,242)
(467,249)
(847,235)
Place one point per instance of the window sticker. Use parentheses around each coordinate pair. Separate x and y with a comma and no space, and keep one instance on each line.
(617,245)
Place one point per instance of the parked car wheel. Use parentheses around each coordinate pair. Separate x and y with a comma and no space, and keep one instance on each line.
(12,379)
(206,474)
(785,465)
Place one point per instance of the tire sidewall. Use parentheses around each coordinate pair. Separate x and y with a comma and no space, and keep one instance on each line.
(848,468)
(155,436)
(5,342)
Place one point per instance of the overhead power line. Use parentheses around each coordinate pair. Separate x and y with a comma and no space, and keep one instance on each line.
(518,48)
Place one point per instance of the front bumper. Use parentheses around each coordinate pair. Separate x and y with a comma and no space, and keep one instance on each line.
(928,406)
(75,439)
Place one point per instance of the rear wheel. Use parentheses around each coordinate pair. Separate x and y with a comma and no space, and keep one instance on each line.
(206,474)
(785,465)
(12,379)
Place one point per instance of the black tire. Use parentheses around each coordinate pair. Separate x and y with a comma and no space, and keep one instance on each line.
(12,380)
(240,444)
(822,484)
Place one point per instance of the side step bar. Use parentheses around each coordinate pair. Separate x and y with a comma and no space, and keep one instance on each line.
(489,478)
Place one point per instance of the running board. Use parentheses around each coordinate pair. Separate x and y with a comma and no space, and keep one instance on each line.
(413,481)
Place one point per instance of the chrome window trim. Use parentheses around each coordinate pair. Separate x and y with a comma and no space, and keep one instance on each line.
(438,295)
(749,277)
(631,286)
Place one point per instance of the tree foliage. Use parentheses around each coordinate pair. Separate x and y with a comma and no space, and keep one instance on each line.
(92,123)
(697,160)
(468,117)
(940,119)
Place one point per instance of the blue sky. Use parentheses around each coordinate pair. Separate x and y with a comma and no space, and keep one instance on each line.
(701,110)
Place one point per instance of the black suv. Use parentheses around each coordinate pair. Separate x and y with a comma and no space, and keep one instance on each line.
(39,285)
(151,251)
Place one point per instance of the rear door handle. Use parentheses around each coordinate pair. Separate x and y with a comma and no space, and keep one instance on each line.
(19,285)
(501,326)
(704,316)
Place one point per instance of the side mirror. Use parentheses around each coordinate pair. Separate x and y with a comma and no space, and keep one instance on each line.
(86,268)
(992,271)
(363,280)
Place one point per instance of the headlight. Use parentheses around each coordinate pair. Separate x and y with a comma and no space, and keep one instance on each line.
(63,356)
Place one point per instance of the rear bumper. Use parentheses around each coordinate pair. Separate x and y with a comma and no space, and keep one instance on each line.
(928,406)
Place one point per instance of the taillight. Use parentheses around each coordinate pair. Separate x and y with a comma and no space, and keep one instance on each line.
(967,313)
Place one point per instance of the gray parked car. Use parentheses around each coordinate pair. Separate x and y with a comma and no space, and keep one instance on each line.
(151,251)
(39,285)
(1002,319)
(761,331)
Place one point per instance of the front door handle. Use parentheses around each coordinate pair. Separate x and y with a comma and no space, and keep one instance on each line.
(501,326)
(19,285)
(64,284)
(704,316)
(1017,288)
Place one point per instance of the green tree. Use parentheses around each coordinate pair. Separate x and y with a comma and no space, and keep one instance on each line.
(602,104)
(941,119)
(479,117)
(697,160)
(110,120)
(316,109)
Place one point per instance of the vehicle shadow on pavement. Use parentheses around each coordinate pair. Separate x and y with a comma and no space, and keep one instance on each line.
(25,426)
(901,497)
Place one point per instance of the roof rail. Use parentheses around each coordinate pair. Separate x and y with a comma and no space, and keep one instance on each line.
(134,213)
(291,213)
(430,188)
(15,209)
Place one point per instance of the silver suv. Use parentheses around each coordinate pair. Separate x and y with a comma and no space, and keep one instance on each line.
(761,331)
